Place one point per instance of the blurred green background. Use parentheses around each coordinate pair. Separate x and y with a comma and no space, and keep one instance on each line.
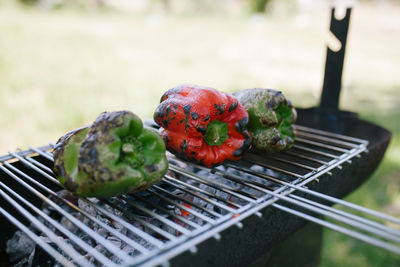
(64,62)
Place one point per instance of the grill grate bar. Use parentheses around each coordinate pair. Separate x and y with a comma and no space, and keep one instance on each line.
(251,184)
(329,198)
(239,181)
(372,223)
(38,164)
(95,220)
(287,152)
(293,163)
(328,140)
(171,214)
(322,145)
(314,151)
(343,230)
(348,204)
(44,229)
(182,207)
(193,193)
(30,165)
(216,185)
(330,134)
(102,259)
(174,225)
(127,225)
(314,208)
(301,188)
(231,206)
(52,252)
(255,159)
(108,245)
(327,211)
(194,203)
(143,222)
(45,154)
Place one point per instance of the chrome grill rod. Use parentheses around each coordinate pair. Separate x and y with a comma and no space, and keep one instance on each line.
(128,241)
(194,192)
(316,207)
(324,196)
(374,224)
(100,258)
(49,249)
(234,215)
(383,231)
(109,246)
(357,235)
(67,248)
(330,134)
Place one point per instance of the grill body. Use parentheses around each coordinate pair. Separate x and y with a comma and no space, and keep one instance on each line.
(259,236)
(257,233)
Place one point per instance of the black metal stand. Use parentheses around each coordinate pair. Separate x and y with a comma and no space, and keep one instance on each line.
(334,64)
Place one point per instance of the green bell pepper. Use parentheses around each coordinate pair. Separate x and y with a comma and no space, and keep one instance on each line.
(113,156)
(271,117)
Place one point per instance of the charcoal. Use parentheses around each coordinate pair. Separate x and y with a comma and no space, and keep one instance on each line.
(42,259)
(19,246)
(146,199)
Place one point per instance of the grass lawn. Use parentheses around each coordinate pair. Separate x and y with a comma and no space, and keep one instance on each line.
(60,69)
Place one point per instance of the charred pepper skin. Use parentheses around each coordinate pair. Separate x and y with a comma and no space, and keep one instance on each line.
(114,156)
(203,125)
(65,156)
(271,116)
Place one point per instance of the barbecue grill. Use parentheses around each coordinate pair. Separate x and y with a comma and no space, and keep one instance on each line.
(231,215)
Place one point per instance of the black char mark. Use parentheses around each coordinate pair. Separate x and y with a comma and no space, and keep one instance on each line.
(233,106)
(71,186)
(183,146)
(159,114)
(195,116)
(273,104)
(220,108)
(151,168)
(58,154)
(169,93)
(186,110)
(241,125)
(246,143)
(100,132)
(201,129)
(166,139)
(167,111)
(206,118)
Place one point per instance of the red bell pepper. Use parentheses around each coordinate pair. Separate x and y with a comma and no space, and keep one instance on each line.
(203,125)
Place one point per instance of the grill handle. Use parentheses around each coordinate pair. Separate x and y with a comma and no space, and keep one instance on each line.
(334,64)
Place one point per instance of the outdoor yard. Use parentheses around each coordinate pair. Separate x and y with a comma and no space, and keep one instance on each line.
(59,69)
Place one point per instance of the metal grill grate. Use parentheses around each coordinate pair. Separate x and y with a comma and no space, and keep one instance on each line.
(190,205)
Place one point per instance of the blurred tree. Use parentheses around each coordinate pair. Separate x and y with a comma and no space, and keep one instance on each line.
(258,6)
(29,2)
(53,4)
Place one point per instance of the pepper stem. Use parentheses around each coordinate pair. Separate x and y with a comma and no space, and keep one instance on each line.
(216,133)
(127,148)
(131,152)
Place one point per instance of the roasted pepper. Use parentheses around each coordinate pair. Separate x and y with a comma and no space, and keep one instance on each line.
(271,116)
(113,156)
(202,124)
